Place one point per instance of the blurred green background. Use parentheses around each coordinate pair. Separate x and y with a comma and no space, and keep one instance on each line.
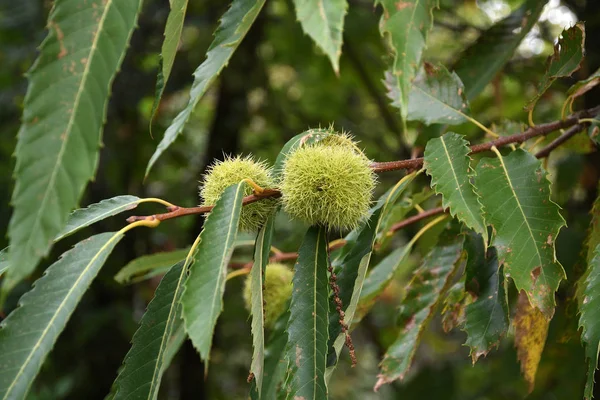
(278,85)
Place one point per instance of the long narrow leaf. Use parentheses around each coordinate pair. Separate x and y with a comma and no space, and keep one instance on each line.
(428,283)
(145,267)
(261,258)
(170,44)
(308,324)
(236,22)
(143,365)
(323,21)
(590,320)
(3,260)
(515,194)
(84,217)
(204,288)
(30,331)
(58,143)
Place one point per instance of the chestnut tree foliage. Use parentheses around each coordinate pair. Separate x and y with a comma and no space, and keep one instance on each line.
(465,233)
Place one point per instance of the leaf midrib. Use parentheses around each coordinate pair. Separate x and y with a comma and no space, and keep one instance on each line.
(58,310)
(50,187)
(315,312)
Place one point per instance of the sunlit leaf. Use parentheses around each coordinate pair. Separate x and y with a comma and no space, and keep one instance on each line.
(323,21)
(58,142)
(566,59)
(531,330)
(308,324)
(486,319)
(145,267)
(429,281)
(170,44)
(447,161)
(142,371)
(351,267)
(93,213)
(406,24)
(204,288)
(30,331)
(590,319)
(257,273)
(235,24)
(515,194)
(482,60)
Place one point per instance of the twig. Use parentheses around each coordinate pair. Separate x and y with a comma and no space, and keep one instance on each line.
(416,218)
(415,163)
(568,134)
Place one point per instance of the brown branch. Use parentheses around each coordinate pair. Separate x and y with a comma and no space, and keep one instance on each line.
(539,130)
(568,134)
(416,218)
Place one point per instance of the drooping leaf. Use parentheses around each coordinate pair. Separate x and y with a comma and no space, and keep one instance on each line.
(590,320)
(170,44)
(301,139)
(406,24)
(566,59)
(204,288)
(235,24)
(437,96)
(351,267)
(3,260)
(515,194)
(486,318)
(145,267)
(58,142)
(592,240)
(308,324)
(429,281)
(84,217)
(261,258)
(447,161)
(482,61)
(28,334)
(142,369)
(582,87)
(323,21)
(531,330)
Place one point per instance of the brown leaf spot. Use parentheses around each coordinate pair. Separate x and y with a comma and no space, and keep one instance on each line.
(535,273)
(401,5)
(549,240)
(531,330)
(298,356)
(60,38)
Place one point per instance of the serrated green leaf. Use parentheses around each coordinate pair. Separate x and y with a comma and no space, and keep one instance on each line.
(590,320)
(593,238)
(301,139)
(308,324)
(323,21)
(145,267)
(204,288)
(351,267)
(235,24)
(566,59)
(142,369)
(261,259)
(84,217)
(58,142)
(170,44)
(531,330)
(437,96)
(3,260)
(582,87)
(515,194)
(486,318)
(482,61)
(275,365)
(28,334)
(429,281)
(407,23)
(447,161)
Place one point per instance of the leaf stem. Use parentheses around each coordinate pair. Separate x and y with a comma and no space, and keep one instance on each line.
(157,200)
(483,127)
